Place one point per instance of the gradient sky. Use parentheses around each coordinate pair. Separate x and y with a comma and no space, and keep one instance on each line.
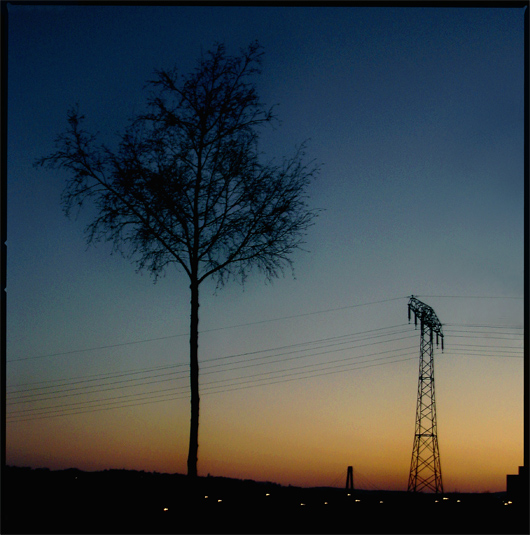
(416,115)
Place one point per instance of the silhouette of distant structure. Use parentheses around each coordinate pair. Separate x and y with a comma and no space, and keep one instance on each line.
(425,469)
(517,486)
(349,479)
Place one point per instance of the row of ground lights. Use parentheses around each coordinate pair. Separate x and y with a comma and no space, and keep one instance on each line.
(356,501)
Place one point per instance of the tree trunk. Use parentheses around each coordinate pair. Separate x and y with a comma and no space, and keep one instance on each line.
(194,380)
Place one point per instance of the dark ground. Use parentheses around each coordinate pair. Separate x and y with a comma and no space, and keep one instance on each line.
(119,501)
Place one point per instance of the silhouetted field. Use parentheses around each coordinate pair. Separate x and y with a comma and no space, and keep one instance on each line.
(120,501)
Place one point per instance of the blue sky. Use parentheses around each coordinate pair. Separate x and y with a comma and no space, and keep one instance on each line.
(416,115)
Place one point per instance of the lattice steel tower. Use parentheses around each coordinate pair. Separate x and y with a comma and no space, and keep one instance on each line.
(425,469)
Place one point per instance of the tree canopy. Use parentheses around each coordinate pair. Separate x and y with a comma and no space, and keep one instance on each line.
(186,184)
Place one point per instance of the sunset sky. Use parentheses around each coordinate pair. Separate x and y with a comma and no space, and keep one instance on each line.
(416,115)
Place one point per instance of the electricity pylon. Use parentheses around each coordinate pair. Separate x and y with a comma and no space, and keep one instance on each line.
(425,469)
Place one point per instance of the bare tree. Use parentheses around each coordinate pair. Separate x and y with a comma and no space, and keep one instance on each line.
(186,185)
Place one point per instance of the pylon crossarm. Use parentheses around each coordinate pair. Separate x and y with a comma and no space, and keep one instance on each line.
(427,317)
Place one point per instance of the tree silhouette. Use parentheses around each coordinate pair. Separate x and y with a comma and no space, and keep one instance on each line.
(186,185)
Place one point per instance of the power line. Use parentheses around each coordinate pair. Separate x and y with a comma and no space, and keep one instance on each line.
(142,381)
(145,340)
(96,348)
(470,296)
(490,348)
(237,381)
(484,326)
(89,378)
(173,398)
(162,396)
(482,337)
(249,381)
(97,377)
(79,390)
(183,395)
(482,353)
(324,364)
(212,387)
(315,354)
(293,376)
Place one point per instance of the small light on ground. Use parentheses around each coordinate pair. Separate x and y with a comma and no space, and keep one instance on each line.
(166,509)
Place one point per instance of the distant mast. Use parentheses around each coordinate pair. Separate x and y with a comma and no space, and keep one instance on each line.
(349,480)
